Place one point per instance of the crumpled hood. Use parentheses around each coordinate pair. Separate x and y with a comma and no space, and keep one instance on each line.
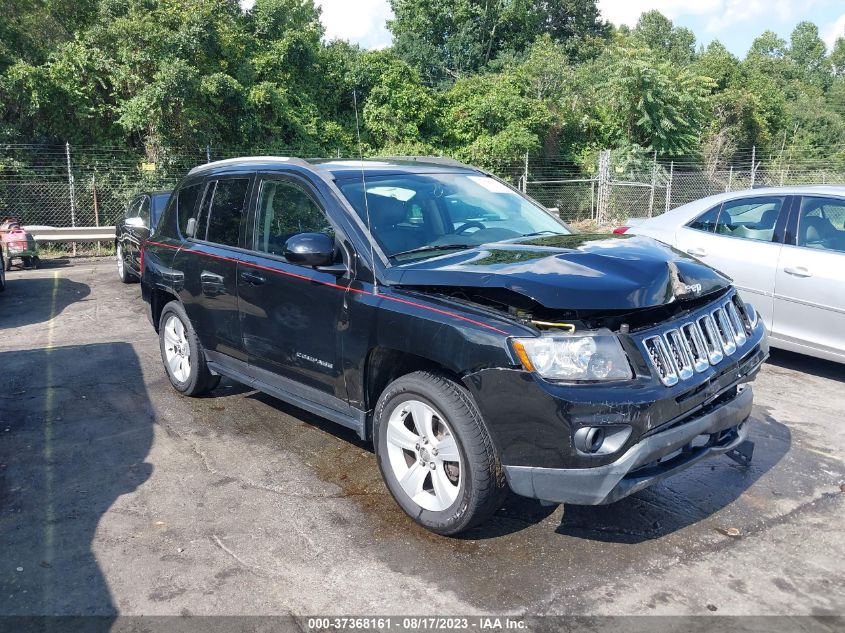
(571,272)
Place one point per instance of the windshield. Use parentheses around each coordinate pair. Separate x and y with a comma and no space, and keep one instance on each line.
(425,215)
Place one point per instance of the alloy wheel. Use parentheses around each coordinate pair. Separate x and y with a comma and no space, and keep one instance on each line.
(424,455)
(177,351)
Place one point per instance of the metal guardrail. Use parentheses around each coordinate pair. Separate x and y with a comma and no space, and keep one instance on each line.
(71,233)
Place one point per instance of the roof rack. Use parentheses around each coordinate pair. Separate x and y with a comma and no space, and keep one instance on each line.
(288,160)
(436,160)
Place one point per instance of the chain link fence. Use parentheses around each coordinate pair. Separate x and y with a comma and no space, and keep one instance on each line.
(63,186)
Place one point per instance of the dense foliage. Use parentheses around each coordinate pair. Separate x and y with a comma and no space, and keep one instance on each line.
(473,78)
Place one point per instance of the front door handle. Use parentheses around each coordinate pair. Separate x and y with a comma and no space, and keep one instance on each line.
(697,252)
(253,278)
(797,271)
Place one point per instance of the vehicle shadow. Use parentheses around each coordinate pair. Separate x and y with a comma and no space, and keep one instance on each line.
(807,364)
(29,300)
(74,439)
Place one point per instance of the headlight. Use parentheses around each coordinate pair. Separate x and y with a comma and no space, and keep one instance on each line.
(597,356)
(752,315)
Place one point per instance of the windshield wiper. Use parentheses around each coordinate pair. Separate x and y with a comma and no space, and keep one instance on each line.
(542,233)
(432,248)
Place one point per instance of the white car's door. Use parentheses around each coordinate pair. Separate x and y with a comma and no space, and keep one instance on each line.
(810,284)
(743,239)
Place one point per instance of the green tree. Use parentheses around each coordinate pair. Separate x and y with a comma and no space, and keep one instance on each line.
(446,39)
(655,31)
(808,53)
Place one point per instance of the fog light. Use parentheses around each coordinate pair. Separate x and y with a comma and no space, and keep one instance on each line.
(601,440)
(589,439)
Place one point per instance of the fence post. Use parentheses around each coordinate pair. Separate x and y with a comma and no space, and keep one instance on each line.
(753,165)
(207,153)
(96,205)
(604,187)
(653,185)
(72,192)
(525,175)
(730,179)
(669,185)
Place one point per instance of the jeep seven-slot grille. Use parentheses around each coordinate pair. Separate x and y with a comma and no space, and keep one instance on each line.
(682,351)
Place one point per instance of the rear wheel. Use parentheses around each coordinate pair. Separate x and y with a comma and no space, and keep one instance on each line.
(182,354)
(436,455)
(36,261)
(122,271)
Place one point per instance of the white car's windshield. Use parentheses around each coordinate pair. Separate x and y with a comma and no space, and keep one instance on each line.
(424,215)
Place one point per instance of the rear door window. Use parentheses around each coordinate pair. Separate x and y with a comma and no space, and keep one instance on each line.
(821,223)
(225,211)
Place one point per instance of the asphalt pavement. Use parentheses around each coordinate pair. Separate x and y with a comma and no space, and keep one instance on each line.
(119,496)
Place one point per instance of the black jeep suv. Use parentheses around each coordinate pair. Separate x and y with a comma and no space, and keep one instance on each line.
(473,337)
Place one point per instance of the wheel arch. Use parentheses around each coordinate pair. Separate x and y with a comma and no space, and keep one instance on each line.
(158,299)
(386,364)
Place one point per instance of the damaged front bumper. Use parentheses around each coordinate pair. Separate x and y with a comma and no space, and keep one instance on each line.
(654,458)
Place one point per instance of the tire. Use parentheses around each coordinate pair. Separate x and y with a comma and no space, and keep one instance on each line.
(446,500)
(36,262)
(27,262)
(122,271)
(181,353)
(7,264)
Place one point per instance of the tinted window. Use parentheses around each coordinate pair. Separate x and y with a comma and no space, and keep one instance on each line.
(144,211)
(186,204)
(285,209)
(227,205)
(750,218)
(202,215)
(821,223)
(132,209)
(707,221)
(159,203)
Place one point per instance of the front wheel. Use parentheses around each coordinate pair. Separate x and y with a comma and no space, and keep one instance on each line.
(435,453)
(182,353)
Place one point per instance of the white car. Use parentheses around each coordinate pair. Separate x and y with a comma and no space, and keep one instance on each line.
(783,247)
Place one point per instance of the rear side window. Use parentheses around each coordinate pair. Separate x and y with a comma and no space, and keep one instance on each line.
(186,204)
(226,211)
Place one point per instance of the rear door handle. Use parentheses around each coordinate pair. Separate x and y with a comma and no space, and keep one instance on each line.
(797,271)
(253,278)
(697,252)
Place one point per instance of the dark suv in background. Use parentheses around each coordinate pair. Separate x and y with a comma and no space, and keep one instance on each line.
(455,323)
(141,215)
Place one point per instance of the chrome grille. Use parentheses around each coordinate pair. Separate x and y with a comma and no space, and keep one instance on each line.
(706,340)
(723,326)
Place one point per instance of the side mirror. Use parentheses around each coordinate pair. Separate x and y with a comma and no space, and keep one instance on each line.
(136,222)
(310,249)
